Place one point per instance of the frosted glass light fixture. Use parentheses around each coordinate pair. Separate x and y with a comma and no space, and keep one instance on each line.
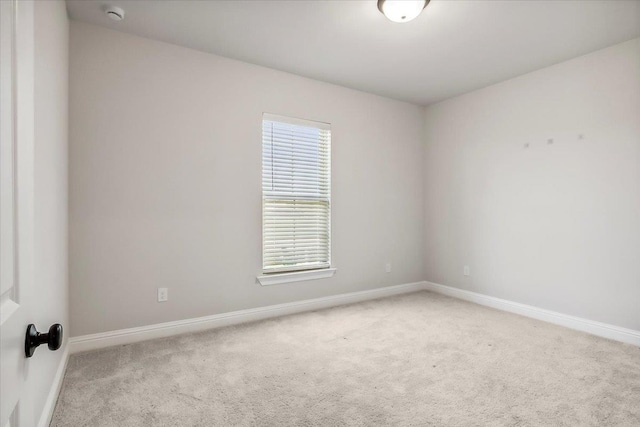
(401,10)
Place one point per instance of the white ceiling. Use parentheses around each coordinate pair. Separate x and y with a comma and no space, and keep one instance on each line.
(453,47)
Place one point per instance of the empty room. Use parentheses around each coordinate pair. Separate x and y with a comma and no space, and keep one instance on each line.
(320,213)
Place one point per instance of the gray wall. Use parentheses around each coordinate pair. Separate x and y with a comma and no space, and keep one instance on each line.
(555,226)
(165,186)
(165,190)
(50,294)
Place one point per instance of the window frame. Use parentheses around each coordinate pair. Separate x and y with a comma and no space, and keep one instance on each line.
(297,273)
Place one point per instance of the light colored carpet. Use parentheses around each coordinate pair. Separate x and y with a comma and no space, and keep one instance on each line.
(411,360)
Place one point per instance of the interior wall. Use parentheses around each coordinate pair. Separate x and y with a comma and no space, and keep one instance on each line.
(165,182)
(555,224)
(51,294)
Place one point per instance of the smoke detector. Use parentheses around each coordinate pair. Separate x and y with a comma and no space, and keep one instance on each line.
(114,13)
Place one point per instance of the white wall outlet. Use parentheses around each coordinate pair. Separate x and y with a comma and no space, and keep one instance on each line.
(466,270)
(163,294)
(387,267)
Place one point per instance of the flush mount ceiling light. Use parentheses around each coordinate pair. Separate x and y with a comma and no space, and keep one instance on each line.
(401,10)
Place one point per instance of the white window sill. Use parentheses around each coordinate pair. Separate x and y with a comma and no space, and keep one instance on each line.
(296,276)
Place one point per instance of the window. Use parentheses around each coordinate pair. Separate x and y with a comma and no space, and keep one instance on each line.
(296,195)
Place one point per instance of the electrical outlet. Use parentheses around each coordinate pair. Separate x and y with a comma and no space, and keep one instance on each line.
(466,271)
(387,267)
(163,294)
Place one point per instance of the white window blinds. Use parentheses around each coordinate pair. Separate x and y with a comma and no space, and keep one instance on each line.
(296,194)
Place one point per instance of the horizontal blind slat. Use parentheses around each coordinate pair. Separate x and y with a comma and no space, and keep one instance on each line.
(291,253)
(281,248)
(297,267)
(294,260)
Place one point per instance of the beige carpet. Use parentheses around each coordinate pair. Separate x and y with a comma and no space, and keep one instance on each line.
(411,360)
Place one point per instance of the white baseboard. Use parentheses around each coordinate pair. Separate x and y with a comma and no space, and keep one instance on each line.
(56,385)
(605,330)
(160,330)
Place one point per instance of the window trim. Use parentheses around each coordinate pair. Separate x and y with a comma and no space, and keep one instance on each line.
(296,276)
(301,274)
(296,121)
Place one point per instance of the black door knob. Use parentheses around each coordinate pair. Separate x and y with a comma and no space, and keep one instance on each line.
(53,338)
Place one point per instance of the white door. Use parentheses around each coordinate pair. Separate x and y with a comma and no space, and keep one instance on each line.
(16,202)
